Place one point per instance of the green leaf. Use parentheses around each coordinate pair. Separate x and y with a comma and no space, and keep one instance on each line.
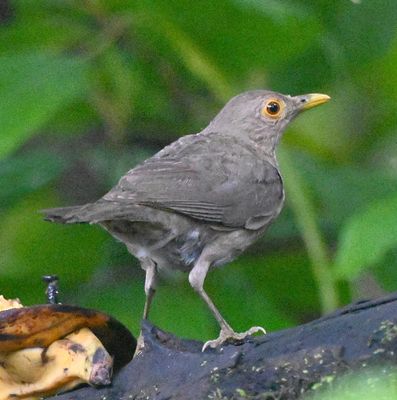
(33,87)
(366,238)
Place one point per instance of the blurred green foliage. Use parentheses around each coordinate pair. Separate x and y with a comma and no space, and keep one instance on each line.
(90,88)
(370,383)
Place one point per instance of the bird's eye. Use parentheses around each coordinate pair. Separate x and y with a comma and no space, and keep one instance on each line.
(272,108)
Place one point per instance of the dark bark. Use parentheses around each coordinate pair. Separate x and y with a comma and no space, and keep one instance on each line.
(279,365)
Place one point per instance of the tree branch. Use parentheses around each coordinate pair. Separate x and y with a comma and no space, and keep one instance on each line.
(279,365)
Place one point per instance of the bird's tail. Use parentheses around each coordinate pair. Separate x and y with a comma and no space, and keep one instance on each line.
(66,215)
(94,213)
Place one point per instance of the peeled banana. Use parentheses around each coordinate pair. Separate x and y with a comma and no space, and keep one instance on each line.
(35,372)
(48,349)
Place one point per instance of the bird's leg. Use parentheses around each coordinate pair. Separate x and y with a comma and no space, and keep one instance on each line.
(196,278)
(150,286)
(150,289)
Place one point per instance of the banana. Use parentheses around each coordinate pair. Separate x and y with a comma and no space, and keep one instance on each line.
(7,304)
(28,372)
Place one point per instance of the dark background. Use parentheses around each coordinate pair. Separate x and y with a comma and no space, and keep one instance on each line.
(90,88)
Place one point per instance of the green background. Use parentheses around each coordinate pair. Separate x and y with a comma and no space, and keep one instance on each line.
(90,88)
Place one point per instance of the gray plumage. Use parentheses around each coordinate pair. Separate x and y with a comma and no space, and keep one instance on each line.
(203,199)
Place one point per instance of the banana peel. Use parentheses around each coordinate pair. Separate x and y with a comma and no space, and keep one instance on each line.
(47,349)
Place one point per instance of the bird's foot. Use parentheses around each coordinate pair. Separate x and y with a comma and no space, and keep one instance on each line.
(229,336)
(140,345)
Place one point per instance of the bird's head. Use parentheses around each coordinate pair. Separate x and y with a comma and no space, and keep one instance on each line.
(262,115)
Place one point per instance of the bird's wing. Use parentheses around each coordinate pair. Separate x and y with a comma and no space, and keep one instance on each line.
(218,183)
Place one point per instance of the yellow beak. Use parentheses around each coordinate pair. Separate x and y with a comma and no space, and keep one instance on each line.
(314,99)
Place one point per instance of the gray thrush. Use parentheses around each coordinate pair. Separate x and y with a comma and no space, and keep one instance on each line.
(201,201)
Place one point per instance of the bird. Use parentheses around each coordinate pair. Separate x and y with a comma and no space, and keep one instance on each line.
(202,200)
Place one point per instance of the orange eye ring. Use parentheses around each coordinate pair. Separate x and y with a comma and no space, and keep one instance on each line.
(273,108)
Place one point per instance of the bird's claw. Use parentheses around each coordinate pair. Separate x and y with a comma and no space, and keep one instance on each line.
(229,336)
(140,345)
